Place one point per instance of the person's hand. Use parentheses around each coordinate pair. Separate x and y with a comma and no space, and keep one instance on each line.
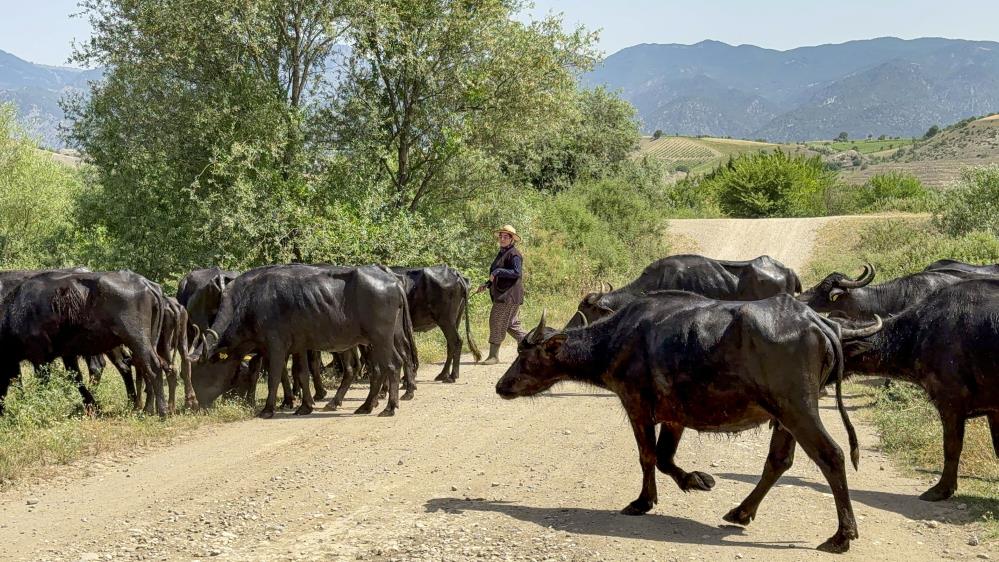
(480,289)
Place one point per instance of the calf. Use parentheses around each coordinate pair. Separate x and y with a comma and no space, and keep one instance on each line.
(684,360)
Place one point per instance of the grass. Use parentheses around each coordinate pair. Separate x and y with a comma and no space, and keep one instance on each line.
(863,146)
(907,423)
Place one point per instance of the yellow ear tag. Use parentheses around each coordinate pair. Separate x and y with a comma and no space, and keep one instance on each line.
(247,357)
(223,356)
(833,297)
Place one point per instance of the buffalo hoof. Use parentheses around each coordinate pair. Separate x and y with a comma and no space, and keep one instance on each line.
(303,410)
(638,507)
(408,395)
(937,493)
(739,517)
(266,413)
(450,380)
(191,404)
(837,544)
(695,481)
(441,377)
(386,413)
(288,403)
(319,395)
(363,409)
(331,406)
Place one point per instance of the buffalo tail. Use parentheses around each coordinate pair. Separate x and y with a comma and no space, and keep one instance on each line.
(468,330)
(851,433)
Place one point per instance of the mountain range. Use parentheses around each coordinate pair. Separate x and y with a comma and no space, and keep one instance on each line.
(884,86)
(36,89)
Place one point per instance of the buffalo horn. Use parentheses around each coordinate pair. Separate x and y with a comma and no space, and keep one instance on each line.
(864,279)
(582,317)
(855,333)
(537,335)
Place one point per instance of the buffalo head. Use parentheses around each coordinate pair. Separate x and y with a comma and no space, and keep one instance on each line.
(536,368)
(833,292)
(592,308)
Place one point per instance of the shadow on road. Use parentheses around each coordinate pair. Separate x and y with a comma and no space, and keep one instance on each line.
(607,523)
(908,505)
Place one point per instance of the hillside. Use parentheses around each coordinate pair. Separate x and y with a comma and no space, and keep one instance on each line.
(36,89)
(698,155)
(884,86)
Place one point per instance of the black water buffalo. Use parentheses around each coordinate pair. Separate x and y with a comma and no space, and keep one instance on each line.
(948,344)
(684,360)
(287,310)
(200,292)
(856,298)
(438,296)
(751,280)
(68,315)
(962,269)
(171,346)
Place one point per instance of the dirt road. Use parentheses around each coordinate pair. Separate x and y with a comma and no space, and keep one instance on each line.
(460,474)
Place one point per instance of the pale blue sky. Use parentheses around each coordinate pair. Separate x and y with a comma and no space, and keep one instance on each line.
(41,30)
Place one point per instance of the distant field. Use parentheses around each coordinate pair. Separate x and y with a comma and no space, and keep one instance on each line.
(863,146)
(699,155)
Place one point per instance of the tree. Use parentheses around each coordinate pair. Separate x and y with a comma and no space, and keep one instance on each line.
(438,90)
(932,131)
(658,134)
(197,131)
(842,137)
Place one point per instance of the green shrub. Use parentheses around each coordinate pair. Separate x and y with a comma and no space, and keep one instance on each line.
(973,204)
(895,191)
(771,184)
(898,247)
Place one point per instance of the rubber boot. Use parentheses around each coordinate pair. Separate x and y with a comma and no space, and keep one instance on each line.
(493,355)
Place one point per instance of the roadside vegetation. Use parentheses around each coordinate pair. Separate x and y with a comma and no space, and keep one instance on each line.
(962,228)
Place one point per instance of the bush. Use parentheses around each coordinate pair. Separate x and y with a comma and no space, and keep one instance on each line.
(895,191)
(36,195)
(973,205)
(900,247)
(771,184)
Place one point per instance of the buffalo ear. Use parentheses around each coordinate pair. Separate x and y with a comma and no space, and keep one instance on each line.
(853,348)
(554,342)
(836,293)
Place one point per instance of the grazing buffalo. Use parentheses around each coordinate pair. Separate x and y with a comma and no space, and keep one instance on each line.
(173,341)
(961,269)
(438,296)
(751,280)
(948,344)
(856,298)
(287,310)
(200,292)
(684,360)
(68,315)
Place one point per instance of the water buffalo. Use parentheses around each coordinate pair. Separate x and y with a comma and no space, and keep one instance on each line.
(948,344)
(173,344)
(68,315)
(750,280)
(287,310)
(856,298)
(962,269)
(684,360)
(438,296)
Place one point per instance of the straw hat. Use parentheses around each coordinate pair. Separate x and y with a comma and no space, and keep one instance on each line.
(509,230)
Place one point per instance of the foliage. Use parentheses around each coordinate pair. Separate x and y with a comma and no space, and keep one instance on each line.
(36,195)
(595,141)
(433,83)
(932,131)
(898,191)
(770,184)
(657,135)
(973,205)
(842,137)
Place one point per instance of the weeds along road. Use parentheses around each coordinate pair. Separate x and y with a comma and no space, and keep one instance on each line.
(460,474)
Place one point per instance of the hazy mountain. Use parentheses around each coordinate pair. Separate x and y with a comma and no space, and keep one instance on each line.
(878,86)
(36,89)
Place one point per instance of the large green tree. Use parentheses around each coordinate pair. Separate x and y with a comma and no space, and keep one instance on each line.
(197,132)
(438,90)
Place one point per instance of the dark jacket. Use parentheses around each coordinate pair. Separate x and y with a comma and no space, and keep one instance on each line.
(507,268)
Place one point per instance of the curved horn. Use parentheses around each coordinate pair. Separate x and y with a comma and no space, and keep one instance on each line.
(602,288)
(581,317)
(861,281)
(538,334)
(193,342)
(610,288)
(213,333)
(855,333)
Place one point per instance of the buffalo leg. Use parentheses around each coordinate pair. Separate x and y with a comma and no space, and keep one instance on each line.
(383,369)
(8,371)
(645,436)
(171,376)
(301,369)
(148,365)
(454,344)
(669,438)
(95,368)
(391,375)
(345,359)
(819,446)
(779,460)
(117,358)
(953,442)
(288,386)
(316,369)
(409,377)
(994,429)
(276,360)
(72,365)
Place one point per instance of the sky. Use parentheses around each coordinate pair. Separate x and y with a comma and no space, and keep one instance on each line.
(42,31)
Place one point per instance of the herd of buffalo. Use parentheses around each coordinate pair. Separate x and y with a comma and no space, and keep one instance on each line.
(719,346)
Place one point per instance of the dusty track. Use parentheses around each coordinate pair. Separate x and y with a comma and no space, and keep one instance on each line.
(461,474)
